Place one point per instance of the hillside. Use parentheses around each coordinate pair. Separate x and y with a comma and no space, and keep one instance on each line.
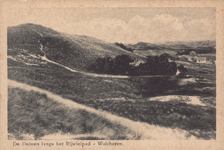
(26,37)
(174,45)
(172,48)
(75,51)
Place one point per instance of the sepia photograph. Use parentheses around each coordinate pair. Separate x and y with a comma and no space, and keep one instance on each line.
(111,73)
(138,74)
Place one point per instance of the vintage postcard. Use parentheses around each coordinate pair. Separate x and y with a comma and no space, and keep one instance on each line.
(111,74)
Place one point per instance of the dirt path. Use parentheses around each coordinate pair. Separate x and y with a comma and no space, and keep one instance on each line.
(145,130)
(38,33)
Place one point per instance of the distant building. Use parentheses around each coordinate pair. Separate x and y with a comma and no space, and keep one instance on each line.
(193,53)
(188,58)
(209,62)
(137,62)
(201,59)
(178,72)
(170,60)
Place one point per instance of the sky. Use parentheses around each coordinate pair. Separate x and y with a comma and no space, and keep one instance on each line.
(124,25)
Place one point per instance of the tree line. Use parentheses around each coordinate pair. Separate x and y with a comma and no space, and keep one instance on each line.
(121,65)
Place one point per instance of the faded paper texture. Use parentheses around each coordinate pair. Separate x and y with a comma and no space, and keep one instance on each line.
(111,74)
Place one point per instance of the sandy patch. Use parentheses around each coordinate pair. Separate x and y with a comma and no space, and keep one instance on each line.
(194,100)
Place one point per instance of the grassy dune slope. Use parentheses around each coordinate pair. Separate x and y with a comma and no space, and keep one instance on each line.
(37,114)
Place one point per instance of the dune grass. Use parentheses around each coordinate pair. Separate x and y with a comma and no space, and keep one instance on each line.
(34,114)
